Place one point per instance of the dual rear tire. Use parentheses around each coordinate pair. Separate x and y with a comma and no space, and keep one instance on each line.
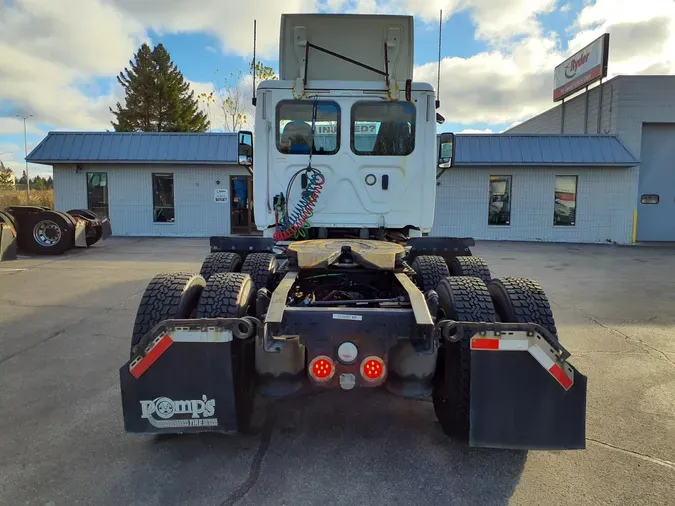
(215,293)
(465,298)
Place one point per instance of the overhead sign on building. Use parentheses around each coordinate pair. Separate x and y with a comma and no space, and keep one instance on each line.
(580,70)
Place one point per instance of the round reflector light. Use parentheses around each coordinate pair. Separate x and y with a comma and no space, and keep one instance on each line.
(321,368)
(347,352)
(372,369)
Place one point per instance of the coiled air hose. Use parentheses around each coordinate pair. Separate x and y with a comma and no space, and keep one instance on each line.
(295,224)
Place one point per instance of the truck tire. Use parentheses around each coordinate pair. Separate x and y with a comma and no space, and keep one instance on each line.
(430,270)
(460,299)
(232,295)
(470,266)
(167,296)
(47,233)
(520,300)
(220,262)
(261,267)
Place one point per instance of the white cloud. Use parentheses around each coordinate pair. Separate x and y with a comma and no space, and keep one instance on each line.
(14,125)
(642,34)
(496,87)
(229,20)
(50,47)
(476,131)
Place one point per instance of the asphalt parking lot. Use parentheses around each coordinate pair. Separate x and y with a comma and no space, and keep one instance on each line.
(65,326)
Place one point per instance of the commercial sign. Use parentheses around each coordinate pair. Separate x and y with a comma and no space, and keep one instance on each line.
(580,70)
(221,196)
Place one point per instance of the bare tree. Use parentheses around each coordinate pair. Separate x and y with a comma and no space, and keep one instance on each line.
(231,98)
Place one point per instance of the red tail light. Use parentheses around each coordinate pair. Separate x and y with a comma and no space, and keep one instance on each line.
(373,369)
(322,368)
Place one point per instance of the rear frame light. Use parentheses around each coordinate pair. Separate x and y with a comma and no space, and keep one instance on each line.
(322,369)
(373,369)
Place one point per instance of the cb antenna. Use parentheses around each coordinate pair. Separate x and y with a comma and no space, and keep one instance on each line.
(440,34)
(255,27)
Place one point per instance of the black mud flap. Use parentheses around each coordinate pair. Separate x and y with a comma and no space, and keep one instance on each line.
(187,388)
(106,228)
(515,403)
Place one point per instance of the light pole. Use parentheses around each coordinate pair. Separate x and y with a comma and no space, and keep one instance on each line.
(25,147)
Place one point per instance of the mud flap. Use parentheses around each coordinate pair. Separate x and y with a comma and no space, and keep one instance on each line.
(80,233)
(7,242)
(516,403)
(106,228)
(188,387)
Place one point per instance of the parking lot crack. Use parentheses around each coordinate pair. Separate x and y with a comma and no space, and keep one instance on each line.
(654,460)
(628,338)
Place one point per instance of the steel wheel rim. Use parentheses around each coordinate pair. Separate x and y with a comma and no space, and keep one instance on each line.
(47,233)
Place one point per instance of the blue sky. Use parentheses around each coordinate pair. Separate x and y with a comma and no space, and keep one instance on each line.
(60,58)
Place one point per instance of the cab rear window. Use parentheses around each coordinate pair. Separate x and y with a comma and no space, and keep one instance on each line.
(294,127)
(383,128)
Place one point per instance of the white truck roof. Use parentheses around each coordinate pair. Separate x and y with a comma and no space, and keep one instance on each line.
(360,37)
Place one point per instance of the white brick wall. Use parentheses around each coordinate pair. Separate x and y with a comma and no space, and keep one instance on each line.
(130,198)
(604,209)
(628,102)
(549,122)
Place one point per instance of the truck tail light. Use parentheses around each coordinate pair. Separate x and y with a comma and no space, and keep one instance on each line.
(321,368)
(373,369)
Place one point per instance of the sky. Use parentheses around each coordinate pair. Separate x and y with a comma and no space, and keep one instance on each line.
(59,58)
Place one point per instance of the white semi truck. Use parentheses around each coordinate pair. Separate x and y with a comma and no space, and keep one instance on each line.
(346,288)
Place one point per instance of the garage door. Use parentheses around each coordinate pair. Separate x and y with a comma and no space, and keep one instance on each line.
(656,209)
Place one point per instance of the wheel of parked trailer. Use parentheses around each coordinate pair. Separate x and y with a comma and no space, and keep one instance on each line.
(460,299)
(470,266)
(520,300)
(261,267)
(167,296)
(232,295)
(429,270)
(220,262)
(47,233)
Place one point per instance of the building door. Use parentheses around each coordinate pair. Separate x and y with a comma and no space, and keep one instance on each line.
(656,205)
(241,205)
(97,193)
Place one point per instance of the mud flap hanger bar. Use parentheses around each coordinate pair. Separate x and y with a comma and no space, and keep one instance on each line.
(204,330)
(529,337)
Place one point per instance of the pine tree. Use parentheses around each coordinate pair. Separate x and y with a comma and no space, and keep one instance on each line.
(6,178)
(157,97)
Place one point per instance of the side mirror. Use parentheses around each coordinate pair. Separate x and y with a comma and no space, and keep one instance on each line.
(245,150)
(446,150)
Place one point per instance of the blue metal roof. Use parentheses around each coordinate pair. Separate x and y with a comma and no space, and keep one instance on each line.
(135,147)
(541,150)
(472,150)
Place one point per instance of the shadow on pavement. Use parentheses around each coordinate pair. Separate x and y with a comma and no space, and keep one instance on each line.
(338,448)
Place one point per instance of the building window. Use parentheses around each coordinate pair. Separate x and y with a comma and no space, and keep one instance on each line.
(499,211)
(294,127)
(97,193)
(383,128)
(565,203)
(162,198)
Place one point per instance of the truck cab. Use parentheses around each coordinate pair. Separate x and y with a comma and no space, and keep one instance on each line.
(351,110)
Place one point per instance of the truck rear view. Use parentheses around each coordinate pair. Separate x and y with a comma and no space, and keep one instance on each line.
(346,288)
